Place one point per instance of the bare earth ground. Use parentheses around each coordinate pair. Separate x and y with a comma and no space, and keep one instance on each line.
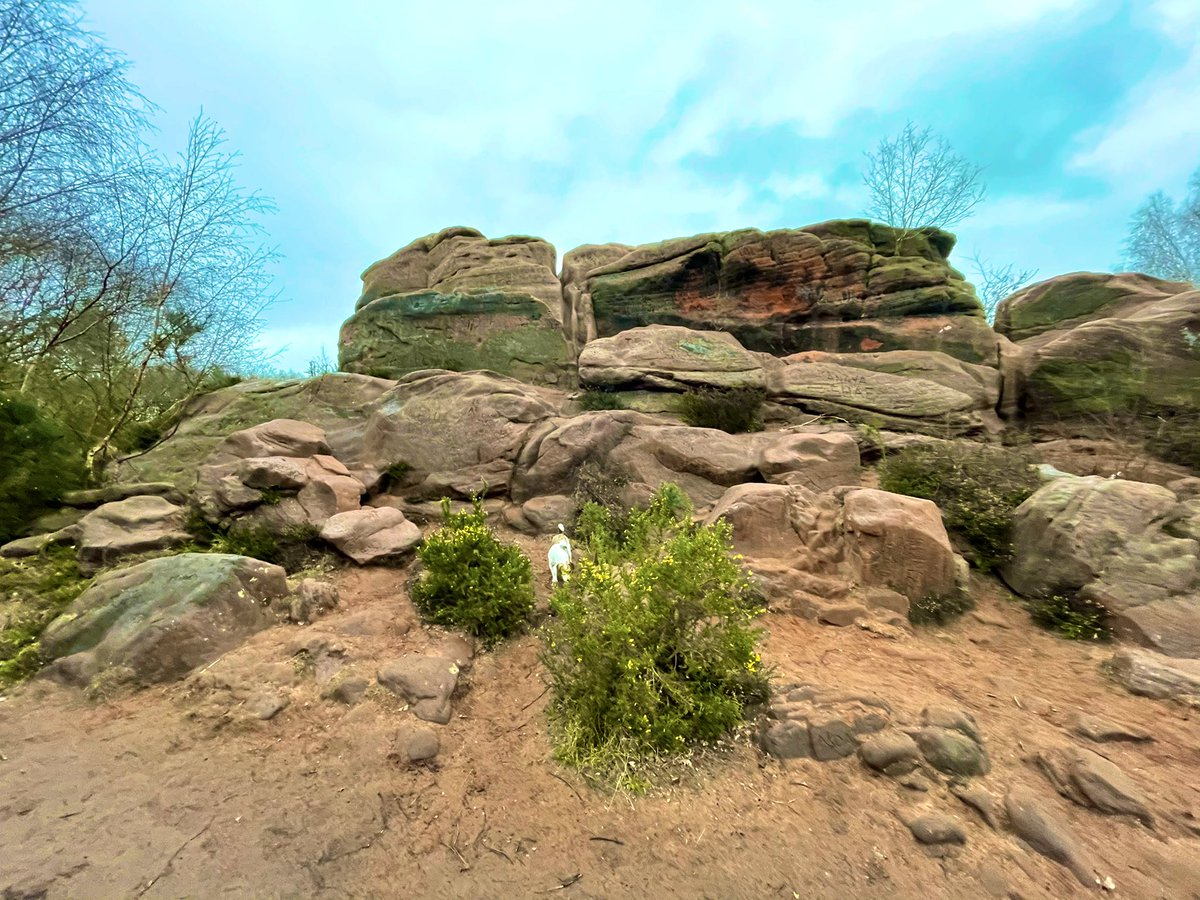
(177,792)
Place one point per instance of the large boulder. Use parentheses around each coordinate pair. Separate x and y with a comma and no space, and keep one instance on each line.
(456,300)
(158,620)
(839,548)
(451,433)
(1106,344)
(1129,546)
(337,403)
(642,452)
(841,286)
(126,527)
(372,535)
(911,390)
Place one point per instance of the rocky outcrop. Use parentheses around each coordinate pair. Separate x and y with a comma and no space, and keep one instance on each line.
(336,403)
(859,548)
(158,620)
(910,390)
(450,434)
(840,286)
(1134,548)
(456,300)
(1096,344)
(641,452)
(372,535)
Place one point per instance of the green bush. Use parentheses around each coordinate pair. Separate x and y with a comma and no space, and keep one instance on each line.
(735,410)
(1071,616)
(937,609)
(593,399)
(603,485)
(651,651)
(471,580)
(38,463)
(33,591)
(295,548)
(977,487)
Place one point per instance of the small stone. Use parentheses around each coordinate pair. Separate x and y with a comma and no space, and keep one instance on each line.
(952,752)
(915,781)
(893,753)
(425,682)
(952,718)
(841,615)
(415,743)
(832,739)
(348,691)
(1047,833)
(267,704)
(980,801)
(786,740)
(933,829)
(1102,731)
(312,597)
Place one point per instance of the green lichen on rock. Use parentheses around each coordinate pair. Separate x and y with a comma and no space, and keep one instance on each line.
(509,333)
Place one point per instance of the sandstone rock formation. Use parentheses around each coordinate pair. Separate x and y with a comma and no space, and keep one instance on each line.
(158,620)
(126,527)
(456,300)
(862,548)
(911,390)
(1132,547)
(840,286)
(1102,344)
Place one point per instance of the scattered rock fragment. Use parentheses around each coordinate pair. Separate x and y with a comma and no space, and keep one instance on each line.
(348,690)
(267,704)
(312,597)
(1151,674)
(1090,780)
(935,829)
(786,740)
(891,752)
(415,743)
(979,800)
(952,718)
(425,682)
(1040,827)
(1103,731)
(952,752)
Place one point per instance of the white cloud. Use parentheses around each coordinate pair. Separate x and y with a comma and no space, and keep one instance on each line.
(1155,141)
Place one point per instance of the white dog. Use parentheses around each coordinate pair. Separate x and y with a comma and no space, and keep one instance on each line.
(560,558)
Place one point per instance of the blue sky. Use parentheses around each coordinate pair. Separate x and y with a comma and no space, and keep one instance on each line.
(372,123)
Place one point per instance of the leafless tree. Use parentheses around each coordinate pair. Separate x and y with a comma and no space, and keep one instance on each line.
(916,180)
(994,283)
(68,118)
(1164,237)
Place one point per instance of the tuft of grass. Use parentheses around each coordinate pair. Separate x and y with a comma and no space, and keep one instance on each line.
(938,609)
(733,410)
(33,592)
(1071,616)
(593,399)
(976,486)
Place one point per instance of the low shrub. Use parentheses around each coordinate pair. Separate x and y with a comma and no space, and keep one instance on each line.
(651,650)
(33,591)
(1174,437)
(977,487)
(938,609)
(602,485)
(1071,616)
(734,410)
(471,580)
(296,548)
(39,461)
(593,399)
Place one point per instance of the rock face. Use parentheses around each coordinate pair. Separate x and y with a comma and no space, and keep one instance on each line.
(1123,544)
(456,300)
(841,286)
(452,434)
(160,619)
(812,551)
(911,390)
(1098,344)
(336,403)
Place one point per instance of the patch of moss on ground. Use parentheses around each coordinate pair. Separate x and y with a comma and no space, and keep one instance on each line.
(33,591)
